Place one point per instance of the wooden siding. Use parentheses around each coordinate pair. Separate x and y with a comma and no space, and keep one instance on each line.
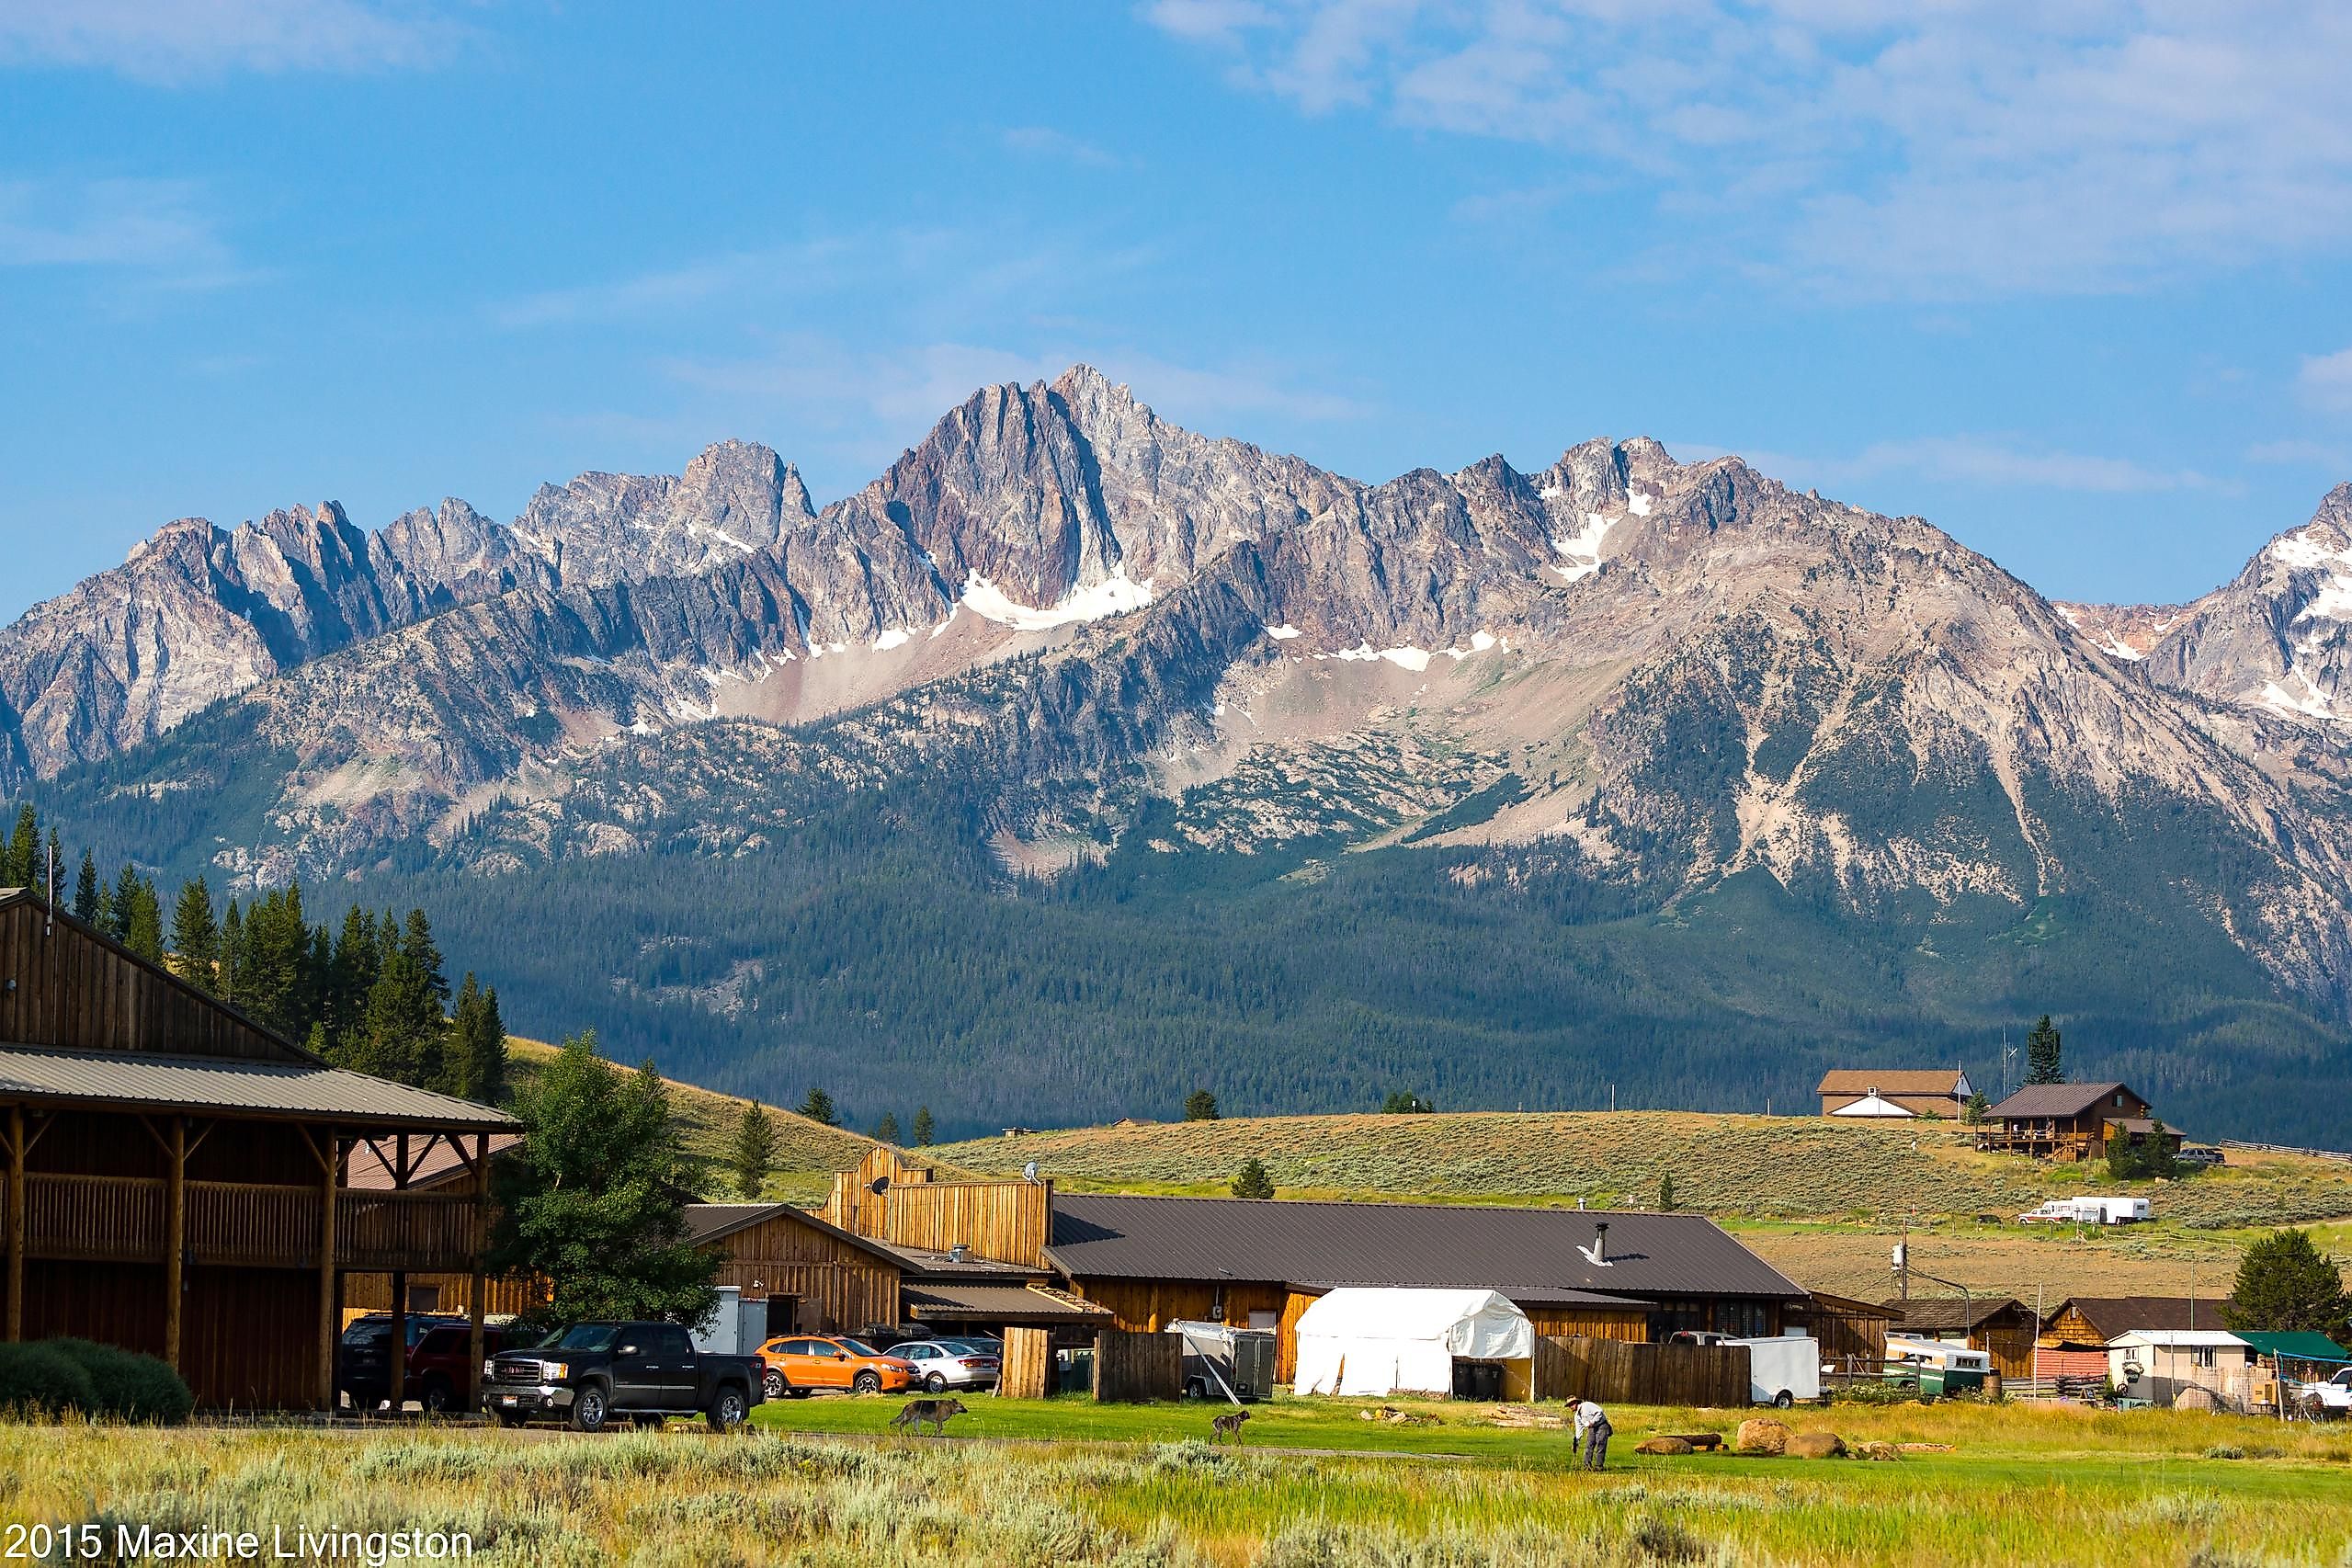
(1148,1306)
(1027,1372)
(1134,1368)
(247,1344)
(1007,1221)
(1629,1324)
(501,1296)
(1612,1372)
(75,990)
(1852,1338)
(841,1287)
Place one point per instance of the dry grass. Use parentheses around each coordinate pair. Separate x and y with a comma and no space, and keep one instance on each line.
(2023,1487)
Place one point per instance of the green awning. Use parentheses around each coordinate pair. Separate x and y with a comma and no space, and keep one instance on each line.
(2297,1345)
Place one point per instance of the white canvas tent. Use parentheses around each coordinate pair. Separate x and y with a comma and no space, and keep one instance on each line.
(1378,1342)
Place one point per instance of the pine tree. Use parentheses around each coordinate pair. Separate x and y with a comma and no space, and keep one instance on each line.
(22,850)
(121,902)
(818,1108)
(1666,1193)
(886,1129)
(2043,1063)
(475,1067)
(1251,1180)
(52,864)
(1201,1105)
(402,1034)
(593,1200)
(232,954)
(924,1127)
(753,1150)
(1976,1110)
(351,973)
(417,941)
(196,937)
(142,932)
(2284,1284)
(86,897)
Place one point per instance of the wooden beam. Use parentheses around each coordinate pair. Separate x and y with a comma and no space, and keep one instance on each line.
(328,1325)
(474,1282)
(16,1322)
(174,1241)
(399,1368)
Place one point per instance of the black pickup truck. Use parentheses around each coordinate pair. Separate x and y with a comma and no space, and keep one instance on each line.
(593,1373)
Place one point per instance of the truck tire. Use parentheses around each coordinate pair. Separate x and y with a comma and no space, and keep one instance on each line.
(868,1382)
(773,1385)
(728,1411)
(590,1407)
(437,1397)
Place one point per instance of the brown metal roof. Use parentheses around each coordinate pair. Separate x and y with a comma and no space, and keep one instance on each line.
(934,1301)
(1889,1081)
(2111,1315)
(438,1165)
(1934,1314)
(2056,1099)
(290,1090)
(1284,1242)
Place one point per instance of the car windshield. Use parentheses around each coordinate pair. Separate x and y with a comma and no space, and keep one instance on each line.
(583,1336)
(858,1347)
(368,1333)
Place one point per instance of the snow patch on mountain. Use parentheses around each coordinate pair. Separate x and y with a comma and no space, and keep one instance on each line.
(1114,595)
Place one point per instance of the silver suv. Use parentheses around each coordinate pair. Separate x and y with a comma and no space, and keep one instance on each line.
(943,1364)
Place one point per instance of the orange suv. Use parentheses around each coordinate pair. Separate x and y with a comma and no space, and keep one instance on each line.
(800,1364)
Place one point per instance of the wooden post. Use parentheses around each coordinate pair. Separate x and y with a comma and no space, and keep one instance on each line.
(328,1328)
(15,1327)
(398,1371)
(474,1284)
(174,1239)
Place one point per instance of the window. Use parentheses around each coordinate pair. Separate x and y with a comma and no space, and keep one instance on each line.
(672,1340)
(2205,1355)
(423,1298)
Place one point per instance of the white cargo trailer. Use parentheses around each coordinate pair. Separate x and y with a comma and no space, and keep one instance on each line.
(1783,1368)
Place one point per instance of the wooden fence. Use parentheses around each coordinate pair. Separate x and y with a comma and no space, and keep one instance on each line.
(1028,1370)
(1131,1368)
(1613,1371)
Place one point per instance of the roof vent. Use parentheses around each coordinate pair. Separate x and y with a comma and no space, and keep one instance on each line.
(960,1254)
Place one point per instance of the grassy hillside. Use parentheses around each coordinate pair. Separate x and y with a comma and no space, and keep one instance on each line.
(807,1153)
(1823,1200)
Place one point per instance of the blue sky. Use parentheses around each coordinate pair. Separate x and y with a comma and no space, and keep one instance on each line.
(2073,279)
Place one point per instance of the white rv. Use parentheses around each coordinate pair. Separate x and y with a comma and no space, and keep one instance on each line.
(2089,1211)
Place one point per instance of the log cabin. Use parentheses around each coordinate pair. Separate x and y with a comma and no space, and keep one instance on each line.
(2065,1121)
(178,1176)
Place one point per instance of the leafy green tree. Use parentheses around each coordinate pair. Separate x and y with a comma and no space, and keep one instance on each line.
(196,937)
(2284,1283)
(2044,1053)
(753,1150)
(1666,1193)
(1251,1180)
(87,898)
(594,1198)
(886,1129)
(818,1108)
(1403,1102)
(477,1054)
(925,1129)
(1201,1105)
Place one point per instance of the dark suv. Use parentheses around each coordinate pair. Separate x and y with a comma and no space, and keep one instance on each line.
(363,1357)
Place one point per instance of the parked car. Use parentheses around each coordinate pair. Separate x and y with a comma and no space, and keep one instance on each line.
(363,1356)
(797,1365)
(2199,1154)
(591,1373)
(944,1364)
(2332,1397)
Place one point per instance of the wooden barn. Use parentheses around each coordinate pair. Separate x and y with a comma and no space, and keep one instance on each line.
(440,1170)
(178,1178)
(2076,1333)
(2002,1326)
(2066,1122)
(1852,1334)
(1898,1094)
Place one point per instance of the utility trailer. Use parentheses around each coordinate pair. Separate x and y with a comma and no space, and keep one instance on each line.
(2089,1210)
(1219,1359)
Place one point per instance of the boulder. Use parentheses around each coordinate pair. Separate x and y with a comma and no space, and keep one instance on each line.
(1675,1446)
(1878,1451)
(1816,1446)
(1762,1436)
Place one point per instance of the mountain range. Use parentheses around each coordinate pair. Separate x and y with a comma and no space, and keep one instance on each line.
(1078,759)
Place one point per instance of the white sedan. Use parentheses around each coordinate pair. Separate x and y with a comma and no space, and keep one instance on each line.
(944,1364)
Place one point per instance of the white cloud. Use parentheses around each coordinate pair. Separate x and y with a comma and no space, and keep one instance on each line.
(1989,462)
(2325,382)
(1949,150)
(170,40)
(152,236)
(2303,454)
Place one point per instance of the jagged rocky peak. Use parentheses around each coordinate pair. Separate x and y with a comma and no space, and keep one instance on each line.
(734,499)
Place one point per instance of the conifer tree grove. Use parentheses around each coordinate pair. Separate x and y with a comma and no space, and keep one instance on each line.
(2284,1283)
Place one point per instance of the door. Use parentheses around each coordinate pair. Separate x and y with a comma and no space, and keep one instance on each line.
(637,1372)
(783,1313)
(681,1369)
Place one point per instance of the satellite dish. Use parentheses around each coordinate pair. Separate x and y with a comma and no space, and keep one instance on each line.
(1029,1172)
(879,1184)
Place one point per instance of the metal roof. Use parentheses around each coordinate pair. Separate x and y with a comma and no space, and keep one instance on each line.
(2056,1099)
(1891,1080)
(2170,1337)
(2296,1344)
(293,1090)
(1279,1240)
(1934,1313)
(438,1165)
(935,1300)
(2111,1315)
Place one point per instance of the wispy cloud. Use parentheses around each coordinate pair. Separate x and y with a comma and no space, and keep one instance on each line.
(664,290)
(1044,142)
(2296,453)
(1984,461)
(173,40)
(158,235)
(2325,382)
(1965,148)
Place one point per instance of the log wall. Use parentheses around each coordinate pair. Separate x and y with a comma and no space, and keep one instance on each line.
(1615,1371)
